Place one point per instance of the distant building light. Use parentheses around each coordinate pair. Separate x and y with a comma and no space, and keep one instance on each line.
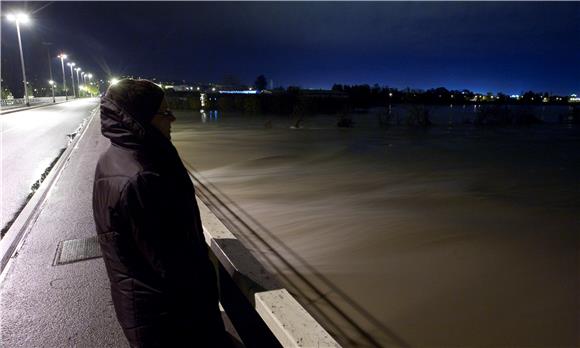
(238,92)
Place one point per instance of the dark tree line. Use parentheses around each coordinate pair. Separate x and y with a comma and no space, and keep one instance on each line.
(345,98)
(365,96)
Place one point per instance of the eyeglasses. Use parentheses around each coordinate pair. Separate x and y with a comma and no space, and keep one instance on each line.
(167,113)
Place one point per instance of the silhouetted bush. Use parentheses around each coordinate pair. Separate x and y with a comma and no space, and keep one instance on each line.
(418,116)
(573,117)
(183,100)
(385,118)
(496,115)
(345,121)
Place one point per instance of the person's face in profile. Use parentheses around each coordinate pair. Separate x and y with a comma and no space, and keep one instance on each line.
(163,119)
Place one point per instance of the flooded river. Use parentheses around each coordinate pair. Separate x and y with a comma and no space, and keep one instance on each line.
(452,236)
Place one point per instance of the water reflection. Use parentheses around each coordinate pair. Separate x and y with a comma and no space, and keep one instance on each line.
(209,116)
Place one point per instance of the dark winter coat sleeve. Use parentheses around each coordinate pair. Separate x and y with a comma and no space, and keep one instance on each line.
(146,207)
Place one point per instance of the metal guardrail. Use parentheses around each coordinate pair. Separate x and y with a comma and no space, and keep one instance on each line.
(5,103)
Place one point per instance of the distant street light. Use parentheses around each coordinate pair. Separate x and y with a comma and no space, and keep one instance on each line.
(78,70)
(21,18)
(114,81)
(89,76)
(47,44)
(72,79)
(52,83)
(62,57)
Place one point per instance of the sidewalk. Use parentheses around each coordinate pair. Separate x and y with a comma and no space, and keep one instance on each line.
(43,305)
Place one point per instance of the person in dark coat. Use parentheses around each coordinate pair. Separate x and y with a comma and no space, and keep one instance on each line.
(163,284)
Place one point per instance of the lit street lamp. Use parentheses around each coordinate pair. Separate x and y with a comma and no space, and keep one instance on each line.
(72,79)
(21,18)
(51,83)
(78,70)
(62,57)
(90,77)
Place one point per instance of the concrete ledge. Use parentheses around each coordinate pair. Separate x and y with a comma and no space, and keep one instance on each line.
(288,321)
(9,244)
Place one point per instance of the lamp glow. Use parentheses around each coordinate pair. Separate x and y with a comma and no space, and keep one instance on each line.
(19,17)
(23,18)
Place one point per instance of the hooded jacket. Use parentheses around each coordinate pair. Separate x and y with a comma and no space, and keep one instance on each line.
(162,283)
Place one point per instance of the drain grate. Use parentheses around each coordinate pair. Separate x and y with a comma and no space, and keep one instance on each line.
(75,250)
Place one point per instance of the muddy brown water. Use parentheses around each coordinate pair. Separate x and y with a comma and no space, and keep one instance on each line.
(454,236)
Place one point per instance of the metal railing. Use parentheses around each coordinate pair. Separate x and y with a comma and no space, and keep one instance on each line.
(16,102)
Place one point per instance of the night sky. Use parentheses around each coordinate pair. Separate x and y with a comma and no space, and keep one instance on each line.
(488,46)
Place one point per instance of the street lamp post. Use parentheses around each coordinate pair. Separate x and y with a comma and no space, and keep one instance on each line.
(72,79)
(51,82)
(62,57)
(21,18)
(78,69)
(90,76)
(47,44)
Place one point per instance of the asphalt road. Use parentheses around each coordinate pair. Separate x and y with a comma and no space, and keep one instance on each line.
(29,141)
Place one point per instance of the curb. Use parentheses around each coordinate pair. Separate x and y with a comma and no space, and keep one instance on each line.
(12,240)
(9,111)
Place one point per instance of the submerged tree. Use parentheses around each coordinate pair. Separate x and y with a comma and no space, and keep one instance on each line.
(261,83)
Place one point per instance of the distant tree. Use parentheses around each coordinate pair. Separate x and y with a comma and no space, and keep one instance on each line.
(294,90)
(337,87)
(30,93)
(502,97)
(531,97)
(6,93)
(261,83)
